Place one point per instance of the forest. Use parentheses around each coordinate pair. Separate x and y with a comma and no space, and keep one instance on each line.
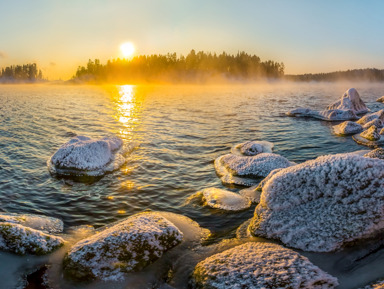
(21,73)
(195,67)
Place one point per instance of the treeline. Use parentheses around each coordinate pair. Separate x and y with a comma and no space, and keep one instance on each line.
(200,66)
(21,73)
(368,74)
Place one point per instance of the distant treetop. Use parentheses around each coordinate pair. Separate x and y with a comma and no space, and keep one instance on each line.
(21,73)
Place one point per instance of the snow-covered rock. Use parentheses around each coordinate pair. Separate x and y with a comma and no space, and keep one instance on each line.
(329,115)
(242,170)
(370,137)
(22,240)
(376,122)
(371,134)
(376,154)
(322,204)
(372,116)
(224,200)
(376,285)
(260,265)
(85,156)
(252,148)
(350,101)
(128,246)
(38,222)
(347,128)
(380,99)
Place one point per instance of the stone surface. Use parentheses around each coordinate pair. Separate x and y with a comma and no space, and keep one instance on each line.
(350,100)
(376,154)
(347,128)
(329,115)
(38,222)
(224,200)
(252,148)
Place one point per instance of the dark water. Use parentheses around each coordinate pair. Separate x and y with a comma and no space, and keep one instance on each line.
(180,131)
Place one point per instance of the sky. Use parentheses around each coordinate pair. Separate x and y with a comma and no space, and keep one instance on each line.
(307,36)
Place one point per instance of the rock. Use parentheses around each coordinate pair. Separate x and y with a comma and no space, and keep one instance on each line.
(252,148)
(376,285)
(128,246)
(89,157)
(323,204)
(260,265)
(350,101)
(42,223)
(243,170)
(224,200)
(347,128)
(372,116)
(380,99)
(22,240)
(376,122)
(371,134)
(382,131)
(369,137)
(376,154)
(329,115)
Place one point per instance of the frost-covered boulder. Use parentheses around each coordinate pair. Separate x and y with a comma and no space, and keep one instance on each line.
(376,285)
(323,204)
(371,134)
(224,200)
(85,156)
(382,131)
(350,101)
(38,222)
(128,246)
(380,99)
(376,122)
(347,128)
(22,240)
(370,137)
(260,265)
(252,148)
(376,154)
(329,115)
(242,170)
(372,116)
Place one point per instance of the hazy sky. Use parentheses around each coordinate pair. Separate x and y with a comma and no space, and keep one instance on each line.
(308,36)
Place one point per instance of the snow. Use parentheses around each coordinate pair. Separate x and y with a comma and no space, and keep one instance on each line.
(260,265)
(242,170)
(370,137)
(22,240)
(224,200)
(347,128)
(375,122)
(37,222)
(372,116)
(323,204)
(350,101)
(330,115)
(376,153)
(126,246)
(85,156)
(252,148)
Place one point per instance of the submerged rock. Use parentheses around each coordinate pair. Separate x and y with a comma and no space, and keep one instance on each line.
(89,157)
(128,246)
(224,200)
(260,265)
(323,204)
(42,223)
(376,154)
(330,115)
(252,148)
(242,170)
(350,101)
(22,240)
(347,128)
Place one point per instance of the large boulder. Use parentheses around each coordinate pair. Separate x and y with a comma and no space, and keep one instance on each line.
(89,157)
(128,246)
(350,101)
(259,265)
(224,200)
(37,222)
(347,128)
(22,240)
(243,170)
(323,204)
(329,115)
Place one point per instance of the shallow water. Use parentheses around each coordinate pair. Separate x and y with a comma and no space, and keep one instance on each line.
(180,130)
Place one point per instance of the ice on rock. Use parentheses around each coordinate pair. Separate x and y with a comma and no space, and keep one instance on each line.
(377,285)
(224,200)
(376,154)
(252,148)
(323,204)
(350,101)
(371,134)
(85,156)
(243,170)
(376,122)
(127,246)
(382,131)
(260,265)
(347,128)
(37,222)
(372,116)
(370,137)
(22,240)
(330,115)
(380,99)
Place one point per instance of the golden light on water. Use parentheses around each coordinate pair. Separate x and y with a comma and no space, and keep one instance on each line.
(127,49)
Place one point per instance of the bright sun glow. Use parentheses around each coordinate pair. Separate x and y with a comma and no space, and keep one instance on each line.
(127,49)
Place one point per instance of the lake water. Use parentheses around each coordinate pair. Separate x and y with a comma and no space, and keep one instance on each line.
(178,130)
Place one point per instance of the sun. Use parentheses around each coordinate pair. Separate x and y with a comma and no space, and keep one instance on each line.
(127,49)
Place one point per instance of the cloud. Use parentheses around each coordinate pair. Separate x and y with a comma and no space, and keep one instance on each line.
(3,54)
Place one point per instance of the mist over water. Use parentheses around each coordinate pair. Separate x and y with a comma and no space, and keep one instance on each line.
(179,131)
